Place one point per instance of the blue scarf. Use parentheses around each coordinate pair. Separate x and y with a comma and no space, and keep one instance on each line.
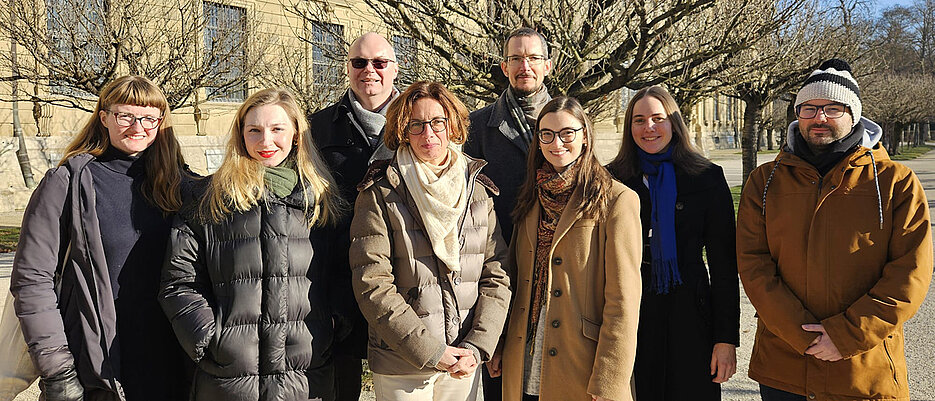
(662,193)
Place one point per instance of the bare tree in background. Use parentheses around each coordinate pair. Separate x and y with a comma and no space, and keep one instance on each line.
(778,64)
(183,46)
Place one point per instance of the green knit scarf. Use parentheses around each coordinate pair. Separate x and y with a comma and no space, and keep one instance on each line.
(282,179)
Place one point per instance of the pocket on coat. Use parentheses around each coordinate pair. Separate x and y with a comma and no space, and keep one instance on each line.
(589,329)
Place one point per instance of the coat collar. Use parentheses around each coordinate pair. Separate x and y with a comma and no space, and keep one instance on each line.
(569,216)
(501,120)
(343,107)
(390,169)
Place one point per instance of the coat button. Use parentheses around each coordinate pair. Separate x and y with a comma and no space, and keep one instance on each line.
(350,141)
(557,261)
(553,352)
(458,280)
(556,323)
(455,320)
(811,396)
(557,293)
(679,205)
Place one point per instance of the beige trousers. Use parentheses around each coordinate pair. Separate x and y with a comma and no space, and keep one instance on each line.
(437,386)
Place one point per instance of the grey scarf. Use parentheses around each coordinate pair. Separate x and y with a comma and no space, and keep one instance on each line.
(371,123)
(525,110)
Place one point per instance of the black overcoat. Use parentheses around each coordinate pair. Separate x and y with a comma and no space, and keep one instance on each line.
(678,330)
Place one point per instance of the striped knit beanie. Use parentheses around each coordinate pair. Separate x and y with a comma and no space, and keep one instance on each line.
(832,81)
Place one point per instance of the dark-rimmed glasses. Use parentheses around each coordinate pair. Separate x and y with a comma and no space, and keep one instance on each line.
(830,110)
(378,63)
(127,120)
(438,124)
(535,59)
(547,136)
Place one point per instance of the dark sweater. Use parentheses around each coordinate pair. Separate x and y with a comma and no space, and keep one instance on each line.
(134,234)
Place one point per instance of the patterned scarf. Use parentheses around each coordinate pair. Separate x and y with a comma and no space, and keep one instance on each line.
(662,194)
(525,109)
(441,197)
(553,189)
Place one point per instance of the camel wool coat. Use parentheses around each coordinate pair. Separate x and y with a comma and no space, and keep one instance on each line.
(592,307)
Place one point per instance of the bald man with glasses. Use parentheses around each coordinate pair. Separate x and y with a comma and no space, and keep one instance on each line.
(349,135)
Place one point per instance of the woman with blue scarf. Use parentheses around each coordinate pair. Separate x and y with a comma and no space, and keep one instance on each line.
(690,311)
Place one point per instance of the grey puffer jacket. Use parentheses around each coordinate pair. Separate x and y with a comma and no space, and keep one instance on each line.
(76,323)
(414,304)
(246,299)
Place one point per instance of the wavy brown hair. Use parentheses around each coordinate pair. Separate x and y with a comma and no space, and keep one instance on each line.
(684,156)
(163,159)
(400,111)
(594,179)
(238,184)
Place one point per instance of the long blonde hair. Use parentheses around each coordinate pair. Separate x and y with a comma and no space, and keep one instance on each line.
(238,184)
(163,159)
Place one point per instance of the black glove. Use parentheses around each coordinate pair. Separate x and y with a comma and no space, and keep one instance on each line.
(61,387)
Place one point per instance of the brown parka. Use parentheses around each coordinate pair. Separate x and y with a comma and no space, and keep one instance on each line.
(851,250)
(592,310)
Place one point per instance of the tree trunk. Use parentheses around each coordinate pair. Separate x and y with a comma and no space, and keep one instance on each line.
(21,155)
(748,139)
(769,139)
(926,132)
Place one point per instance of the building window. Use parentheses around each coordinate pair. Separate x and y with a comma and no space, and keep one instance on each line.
(328,56)
(77,34)
(225,53)
(406,51)
(717,108)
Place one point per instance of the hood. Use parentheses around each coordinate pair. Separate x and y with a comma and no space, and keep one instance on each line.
(872,134)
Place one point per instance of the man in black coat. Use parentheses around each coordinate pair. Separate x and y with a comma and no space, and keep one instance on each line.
(349,135)
(501,134)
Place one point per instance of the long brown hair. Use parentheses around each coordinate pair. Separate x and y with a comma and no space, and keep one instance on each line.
(684,155)
(238,184)
(400,111)
(594,179)
(163,158)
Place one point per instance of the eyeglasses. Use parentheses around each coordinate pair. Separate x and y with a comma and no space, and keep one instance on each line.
(438,124)
(127,120)
(514,61)
(547,136)
(378,63)
(830,110)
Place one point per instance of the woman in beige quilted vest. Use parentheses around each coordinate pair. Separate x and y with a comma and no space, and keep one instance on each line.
(426,254)
(577,245)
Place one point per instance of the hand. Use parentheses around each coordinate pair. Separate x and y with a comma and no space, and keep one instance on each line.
(723,362)
(465,367)
(822,348)
(451,356)
(493,366)
(61,387)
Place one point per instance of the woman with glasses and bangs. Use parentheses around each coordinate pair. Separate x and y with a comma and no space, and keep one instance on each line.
(87,268)
(427,256)
(690,312)
(576,250)
(245,283)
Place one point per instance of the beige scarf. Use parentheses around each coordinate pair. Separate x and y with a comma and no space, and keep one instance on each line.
(440,193)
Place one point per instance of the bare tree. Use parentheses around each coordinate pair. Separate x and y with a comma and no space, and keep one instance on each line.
(780,62)
(183,46)
(597,46)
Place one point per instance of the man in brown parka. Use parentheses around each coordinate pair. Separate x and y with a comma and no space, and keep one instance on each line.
(834,249)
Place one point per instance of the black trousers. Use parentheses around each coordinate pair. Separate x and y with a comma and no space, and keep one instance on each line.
(771,394)
(347,371)
(493,386)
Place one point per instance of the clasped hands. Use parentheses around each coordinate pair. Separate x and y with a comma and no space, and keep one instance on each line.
(822,347)
(458,362)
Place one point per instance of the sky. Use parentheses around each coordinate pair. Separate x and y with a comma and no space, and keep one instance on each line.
(884,4)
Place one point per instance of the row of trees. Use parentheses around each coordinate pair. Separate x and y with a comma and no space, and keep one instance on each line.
(757,51)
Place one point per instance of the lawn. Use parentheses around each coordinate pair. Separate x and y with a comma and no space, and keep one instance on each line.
(9,237)
(912,152)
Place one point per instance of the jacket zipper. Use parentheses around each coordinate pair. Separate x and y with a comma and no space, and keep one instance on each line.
(889,357)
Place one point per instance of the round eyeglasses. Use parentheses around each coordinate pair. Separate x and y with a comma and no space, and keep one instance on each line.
(438,124)
(547,136)
(127,120)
